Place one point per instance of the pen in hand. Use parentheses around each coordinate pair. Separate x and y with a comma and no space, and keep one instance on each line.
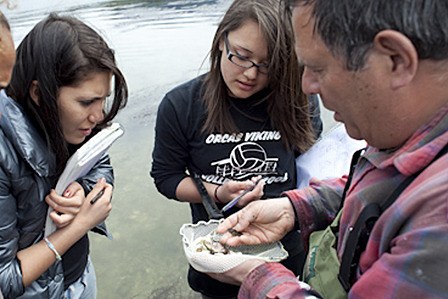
(234,201)
(97,196)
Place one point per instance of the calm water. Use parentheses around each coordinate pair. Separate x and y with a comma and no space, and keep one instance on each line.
(158,45)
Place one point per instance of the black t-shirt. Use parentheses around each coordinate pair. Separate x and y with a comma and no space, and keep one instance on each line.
(181,145)
(74,261)
(257,149)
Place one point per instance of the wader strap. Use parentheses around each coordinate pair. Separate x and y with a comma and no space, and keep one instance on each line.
(357,240)
(359,235)
(353,163)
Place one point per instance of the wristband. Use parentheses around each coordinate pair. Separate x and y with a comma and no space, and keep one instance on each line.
(52,248)
(216,194)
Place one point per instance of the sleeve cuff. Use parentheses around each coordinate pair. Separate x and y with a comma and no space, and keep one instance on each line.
(263,279)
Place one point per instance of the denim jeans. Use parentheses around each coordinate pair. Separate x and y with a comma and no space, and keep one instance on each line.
(85,286)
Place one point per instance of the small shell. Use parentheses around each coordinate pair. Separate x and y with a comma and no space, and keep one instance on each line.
(210,244)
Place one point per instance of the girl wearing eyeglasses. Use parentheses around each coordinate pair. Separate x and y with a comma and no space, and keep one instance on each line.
(245,118)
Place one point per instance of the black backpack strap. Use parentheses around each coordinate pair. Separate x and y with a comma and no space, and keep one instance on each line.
(209,205)
(360,233)
(353,163)
(356,243)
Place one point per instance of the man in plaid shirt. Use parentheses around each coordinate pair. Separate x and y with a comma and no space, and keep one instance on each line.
(382,67)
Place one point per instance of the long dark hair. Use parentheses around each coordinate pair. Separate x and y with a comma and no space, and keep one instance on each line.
(61,51)
(287,105)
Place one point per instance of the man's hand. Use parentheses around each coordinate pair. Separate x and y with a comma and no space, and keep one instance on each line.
(262,221)
(237,274)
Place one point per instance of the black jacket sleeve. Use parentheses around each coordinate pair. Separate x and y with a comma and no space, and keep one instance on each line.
(170,154)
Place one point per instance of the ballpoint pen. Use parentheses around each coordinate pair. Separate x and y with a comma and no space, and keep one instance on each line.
(97,196)
(234,201)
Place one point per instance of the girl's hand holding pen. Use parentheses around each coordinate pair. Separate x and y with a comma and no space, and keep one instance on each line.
(97,196)
(241,192)
(90,214)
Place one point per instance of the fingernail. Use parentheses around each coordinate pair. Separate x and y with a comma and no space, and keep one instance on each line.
(67,193)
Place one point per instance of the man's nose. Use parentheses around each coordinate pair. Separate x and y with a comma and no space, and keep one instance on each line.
(310,84)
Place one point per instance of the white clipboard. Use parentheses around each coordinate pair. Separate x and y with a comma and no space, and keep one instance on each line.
(82,161)
(329,157)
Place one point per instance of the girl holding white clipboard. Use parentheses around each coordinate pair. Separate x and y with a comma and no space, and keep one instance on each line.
(54,103)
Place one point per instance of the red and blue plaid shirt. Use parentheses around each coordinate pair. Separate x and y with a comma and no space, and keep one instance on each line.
(407,253)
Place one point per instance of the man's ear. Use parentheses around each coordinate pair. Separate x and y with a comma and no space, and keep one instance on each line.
(402,54)
(34,91)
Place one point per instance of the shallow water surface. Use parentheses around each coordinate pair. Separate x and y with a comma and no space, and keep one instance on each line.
(158,44)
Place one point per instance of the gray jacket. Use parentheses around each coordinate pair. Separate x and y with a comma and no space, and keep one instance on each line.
(26,177)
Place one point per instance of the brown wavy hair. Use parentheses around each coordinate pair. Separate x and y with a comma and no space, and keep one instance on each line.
(287,105)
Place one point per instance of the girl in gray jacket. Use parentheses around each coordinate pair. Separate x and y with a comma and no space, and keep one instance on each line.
(56,100)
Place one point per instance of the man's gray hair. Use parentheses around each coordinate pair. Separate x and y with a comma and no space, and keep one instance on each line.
(348,27)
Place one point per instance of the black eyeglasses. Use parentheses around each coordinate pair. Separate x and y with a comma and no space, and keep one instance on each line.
(243,61)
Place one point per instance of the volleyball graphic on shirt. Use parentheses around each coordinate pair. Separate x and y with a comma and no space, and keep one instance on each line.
(247,156)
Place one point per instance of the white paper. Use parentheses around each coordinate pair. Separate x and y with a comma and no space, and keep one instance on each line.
(329,157)
(82,161)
